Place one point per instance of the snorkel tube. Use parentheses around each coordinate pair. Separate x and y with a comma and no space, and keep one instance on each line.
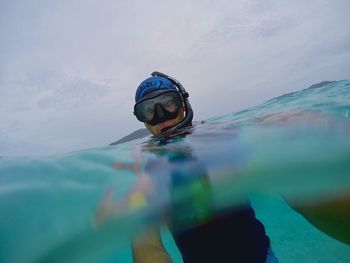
(187,121)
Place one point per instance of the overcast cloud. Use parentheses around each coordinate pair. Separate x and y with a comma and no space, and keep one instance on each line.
(69,69)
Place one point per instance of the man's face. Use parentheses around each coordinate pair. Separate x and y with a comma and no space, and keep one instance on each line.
(156,130)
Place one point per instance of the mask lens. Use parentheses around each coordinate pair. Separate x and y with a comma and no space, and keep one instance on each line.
(170,101)
(145,111)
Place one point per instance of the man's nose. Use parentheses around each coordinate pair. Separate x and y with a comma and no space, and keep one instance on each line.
(159,110)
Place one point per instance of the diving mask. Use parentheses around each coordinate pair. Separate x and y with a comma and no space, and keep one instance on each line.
(158,106)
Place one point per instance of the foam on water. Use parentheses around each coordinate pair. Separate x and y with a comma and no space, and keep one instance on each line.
(296,146)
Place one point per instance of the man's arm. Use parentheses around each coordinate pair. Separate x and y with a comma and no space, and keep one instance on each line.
(331,217)
(148,248)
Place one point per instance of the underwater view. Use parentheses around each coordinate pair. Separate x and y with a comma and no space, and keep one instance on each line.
(82,206)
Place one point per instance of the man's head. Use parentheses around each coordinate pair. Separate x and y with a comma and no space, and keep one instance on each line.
(159,104)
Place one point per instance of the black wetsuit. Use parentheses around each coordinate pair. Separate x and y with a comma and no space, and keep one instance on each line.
(234,237)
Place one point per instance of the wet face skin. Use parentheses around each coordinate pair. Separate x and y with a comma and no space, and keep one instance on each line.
(156,130)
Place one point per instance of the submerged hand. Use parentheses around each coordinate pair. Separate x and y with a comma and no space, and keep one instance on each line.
(134,167)
(107,208)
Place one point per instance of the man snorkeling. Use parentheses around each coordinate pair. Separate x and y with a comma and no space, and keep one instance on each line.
(236,236)
(162,104)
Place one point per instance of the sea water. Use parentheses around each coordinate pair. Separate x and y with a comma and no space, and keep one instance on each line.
(295,147)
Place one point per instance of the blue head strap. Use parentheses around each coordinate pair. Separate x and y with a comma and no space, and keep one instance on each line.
(151,84)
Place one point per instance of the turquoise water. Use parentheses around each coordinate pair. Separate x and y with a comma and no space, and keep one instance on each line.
(296,146)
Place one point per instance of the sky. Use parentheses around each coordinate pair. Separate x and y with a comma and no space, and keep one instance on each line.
(69,69)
